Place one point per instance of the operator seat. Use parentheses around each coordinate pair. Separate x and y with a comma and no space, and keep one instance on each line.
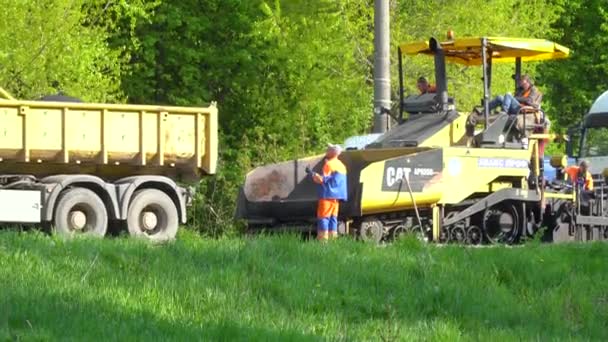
(530,118)
(504,129)
(500,131)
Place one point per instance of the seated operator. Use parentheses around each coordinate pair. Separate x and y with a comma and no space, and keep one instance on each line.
(424,87)
(527,95)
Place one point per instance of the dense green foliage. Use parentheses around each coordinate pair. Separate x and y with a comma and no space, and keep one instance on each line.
(269,71)
(284,289)
(48,42)
(572,85)
(288,75)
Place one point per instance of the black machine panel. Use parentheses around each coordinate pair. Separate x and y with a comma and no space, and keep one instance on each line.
(419,169)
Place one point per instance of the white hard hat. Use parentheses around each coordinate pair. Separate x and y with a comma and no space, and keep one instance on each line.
(335,147)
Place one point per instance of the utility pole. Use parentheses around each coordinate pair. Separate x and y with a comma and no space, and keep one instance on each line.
(382,76)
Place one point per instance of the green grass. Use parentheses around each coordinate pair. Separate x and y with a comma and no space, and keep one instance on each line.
(281,288)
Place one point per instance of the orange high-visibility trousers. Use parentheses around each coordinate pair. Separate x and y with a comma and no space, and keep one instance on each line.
(327,218)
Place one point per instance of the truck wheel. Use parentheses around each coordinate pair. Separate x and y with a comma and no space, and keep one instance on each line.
(152,215)
(80,211)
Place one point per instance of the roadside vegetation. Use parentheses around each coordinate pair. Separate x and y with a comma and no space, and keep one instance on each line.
(281,288)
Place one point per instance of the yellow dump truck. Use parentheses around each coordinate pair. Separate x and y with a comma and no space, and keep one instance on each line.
(79,168)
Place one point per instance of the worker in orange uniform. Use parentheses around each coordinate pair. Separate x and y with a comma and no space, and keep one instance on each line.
(332,190)
(424,87)
(580,174)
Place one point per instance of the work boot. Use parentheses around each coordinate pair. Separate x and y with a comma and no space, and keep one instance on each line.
(333,235)
(323,235)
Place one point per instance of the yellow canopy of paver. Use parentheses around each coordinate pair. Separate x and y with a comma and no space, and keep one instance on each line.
(467,51)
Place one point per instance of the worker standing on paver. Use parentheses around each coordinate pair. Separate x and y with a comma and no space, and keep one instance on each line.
(580,175)
(424,86)
(581,178)
(332,190)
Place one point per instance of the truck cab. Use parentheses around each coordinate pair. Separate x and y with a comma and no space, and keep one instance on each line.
(589,140)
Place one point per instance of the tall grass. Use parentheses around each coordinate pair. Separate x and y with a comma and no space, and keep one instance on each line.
(281,288)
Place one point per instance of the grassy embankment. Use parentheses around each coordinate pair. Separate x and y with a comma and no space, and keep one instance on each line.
(284,289)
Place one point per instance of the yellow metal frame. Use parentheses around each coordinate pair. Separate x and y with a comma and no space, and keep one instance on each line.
(451,135)
(571,196)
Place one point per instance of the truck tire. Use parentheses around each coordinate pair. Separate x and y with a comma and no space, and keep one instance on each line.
(80,211)
(152,215)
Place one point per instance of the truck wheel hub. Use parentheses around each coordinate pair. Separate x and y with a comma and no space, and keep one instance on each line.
(149,220)
(78,219)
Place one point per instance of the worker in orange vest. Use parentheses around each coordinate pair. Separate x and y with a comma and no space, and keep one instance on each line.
(424,87)
(581,174)
(332,190)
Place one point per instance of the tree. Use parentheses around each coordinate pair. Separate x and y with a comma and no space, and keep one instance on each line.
(573,84)
(271,70)
(48,46)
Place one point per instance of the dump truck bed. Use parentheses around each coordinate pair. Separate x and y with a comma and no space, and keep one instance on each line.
(112,141)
